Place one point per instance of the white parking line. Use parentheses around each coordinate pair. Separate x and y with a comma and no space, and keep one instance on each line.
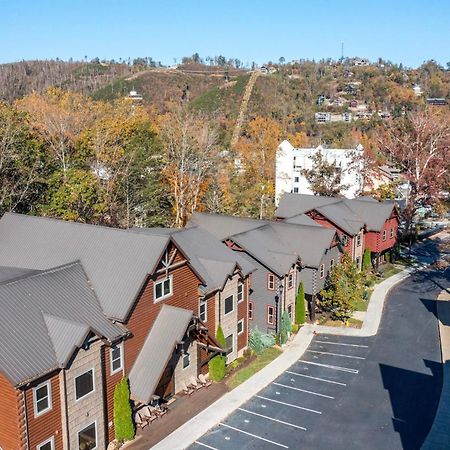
(204,445)
(274,420)
(289,404)
(316,378)
(303,390)
(254,435)
(335,354)
(340,343)
(328,366)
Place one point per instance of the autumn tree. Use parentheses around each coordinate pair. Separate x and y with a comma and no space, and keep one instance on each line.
(324,177)
(59,117)
(255,185)
(22,163)
(419,145)
(190,153)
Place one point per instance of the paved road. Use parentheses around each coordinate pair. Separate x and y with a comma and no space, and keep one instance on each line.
(352,393)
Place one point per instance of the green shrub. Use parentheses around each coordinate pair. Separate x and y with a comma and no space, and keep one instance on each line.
(217,368)
(367,260)
(217,365)
(300,310)
(294,328)
(387,257)
(123,421)
(258,341)
(267,340)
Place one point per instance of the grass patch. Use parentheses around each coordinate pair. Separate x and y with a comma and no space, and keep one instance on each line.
(353,323)
(118,88)
(241,375)
(241,83)
(361,304)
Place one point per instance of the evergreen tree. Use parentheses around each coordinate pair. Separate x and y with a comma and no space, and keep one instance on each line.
(217,364)
(300,309)
(367,260)
(123,422)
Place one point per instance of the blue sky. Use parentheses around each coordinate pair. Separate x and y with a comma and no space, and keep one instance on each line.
(402,31)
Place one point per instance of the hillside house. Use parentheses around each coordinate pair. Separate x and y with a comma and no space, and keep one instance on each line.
(98,304)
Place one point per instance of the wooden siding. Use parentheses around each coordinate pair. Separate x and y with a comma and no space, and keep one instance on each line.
(144,313)
(110,381)
(48,424)
(374,240)
(9,415)
(211,314)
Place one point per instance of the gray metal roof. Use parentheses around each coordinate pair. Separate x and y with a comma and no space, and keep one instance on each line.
(346,213)
(45,317)
(373,213)
(117,262)
(223,226)
(277,245)
(10,273)
(212,260)
(168,329)
(302,219)
(294,204)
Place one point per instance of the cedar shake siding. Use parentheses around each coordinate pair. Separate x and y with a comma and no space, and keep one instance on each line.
(11,427)
(49,423)
(185,295)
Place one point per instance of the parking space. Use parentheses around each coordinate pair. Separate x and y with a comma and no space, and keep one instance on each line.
(299,402)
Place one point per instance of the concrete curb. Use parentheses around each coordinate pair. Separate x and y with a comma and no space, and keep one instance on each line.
(192,430)
(374,311)
(439,437)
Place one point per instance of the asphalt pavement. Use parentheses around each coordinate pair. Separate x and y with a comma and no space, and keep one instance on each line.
(377,392)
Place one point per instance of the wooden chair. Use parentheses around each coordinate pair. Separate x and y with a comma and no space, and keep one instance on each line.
(139,421)
(149,414)
(195,384)
(204,380)
(186,390)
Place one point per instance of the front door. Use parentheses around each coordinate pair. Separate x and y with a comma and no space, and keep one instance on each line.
(165,385)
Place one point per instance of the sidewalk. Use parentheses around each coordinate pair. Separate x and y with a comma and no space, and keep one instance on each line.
(439,437)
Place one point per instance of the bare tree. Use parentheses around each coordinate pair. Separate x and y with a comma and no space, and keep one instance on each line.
(190,151)
(419,145)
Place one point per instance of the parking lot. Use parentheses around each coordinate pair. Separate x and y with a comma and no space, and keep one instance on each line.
(299,404)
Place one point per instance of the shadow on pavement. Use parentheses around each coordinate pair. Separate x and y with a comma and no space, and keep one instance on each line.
(414,399)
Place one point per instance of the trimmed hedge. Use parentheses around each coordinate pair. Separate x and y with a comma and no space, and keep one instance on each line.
(123,421)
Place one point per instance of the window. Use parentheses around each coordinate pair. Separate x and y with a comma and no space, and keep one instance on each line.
(290,282)
(163,288)
(240,292)
(331,264)
(357,262)
(270,315)
(240,326)
(229,344)
(322,270)
(250,310)
(296,179)
(202,310)
(392,233)
(229,304)
(344,240)
(271,281)
(384,235)
(84,384)
(296,190)
(186,360)
(289,310)
(116,358)
(358,240)
(42,398)
(87,437)
(49,444)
